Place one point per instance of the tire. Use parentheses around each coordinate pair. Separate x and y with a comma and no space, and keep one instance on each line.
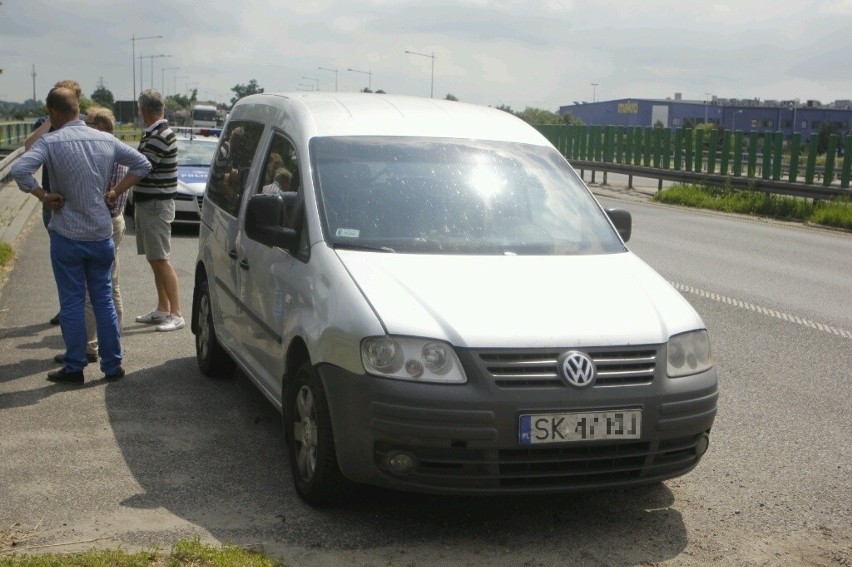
(212,358)
(307,425)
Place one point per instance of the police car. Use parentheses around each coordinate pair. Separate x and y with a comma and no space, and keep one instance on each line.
(195,150)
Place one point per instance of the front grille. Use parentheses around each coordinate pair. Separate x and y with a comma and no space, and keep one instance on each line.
(546,469)
(538,369)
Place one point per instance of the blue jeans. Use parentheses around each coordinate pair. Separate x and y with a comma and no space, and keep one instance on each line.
(77,266)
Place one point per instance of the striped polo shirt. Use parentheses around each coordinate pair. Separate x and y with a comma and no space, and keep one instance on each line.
(159,145)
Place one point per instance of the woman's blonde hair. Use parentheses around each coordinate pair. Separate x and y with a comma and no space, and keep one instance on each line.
(102,117)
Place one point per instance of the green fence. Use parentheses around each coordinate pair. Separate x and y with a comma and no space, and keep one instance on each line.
(13,134)
(756,156)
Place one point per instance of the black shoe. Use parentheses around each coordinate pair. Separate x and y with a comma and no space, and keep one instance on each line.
(64,376)
(55,320)
(60,358)
(117,375)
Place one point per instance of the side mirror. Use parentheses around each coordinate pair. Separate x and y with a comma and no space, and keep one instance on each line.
(623,222)
(270,220)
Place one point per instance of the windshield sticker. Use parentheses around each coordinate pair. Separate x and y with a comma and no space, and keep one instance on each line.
(348,232)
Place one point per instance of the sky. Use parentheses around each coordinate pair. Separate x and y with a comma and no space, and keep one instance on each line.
(520,53)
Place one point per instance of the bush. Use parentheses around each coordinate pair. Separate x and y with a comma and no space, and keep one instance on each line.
(727,199)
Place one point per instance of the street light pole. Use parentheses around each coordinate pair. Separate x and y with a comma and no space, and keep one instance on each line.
(163,77)
(706,95)
(369,77)
(335,75)
(152,66)
(734,121)
(133,40)
(175,81)
(594,88)
(314,79)
(432,57)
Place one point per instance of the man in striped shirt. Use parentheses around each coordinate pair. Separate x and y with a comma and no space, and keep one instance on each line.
(80,160)
(154,205)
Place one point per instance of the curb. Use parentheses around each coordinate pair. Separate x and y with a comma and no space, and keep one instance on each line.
(16,207)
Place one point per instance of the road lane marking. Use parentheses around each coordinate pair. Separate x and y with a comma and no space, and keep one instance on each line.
(764,310)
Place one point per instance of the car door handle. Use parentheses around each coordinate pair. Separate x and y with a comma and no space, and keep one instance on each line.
(244,264)
(233,253)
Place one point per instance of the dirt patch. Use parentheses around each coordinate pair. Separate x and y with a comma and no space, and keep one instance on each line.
(15,537)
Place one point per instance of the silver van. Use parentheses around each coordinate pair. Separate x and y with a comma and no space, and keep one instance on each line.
(436,302)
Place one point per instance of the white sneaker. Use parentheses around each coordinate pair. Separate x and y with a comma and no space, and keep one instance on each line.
(172,323)
(155,317)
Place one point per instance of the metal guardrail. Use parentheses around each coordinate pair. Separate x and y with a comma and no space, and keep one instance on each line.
(6,163)
(701,178)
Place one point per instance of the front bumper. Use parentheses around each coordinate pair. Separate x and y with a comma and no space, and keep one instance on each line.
(188,207)
(465,438)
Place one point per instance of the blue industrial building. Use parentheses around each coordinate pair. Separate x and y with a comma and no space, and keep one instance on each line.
(788,117)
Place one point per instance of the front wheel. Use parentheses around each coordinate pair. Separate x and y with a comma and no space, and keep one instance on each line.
(307,423)
(212,358)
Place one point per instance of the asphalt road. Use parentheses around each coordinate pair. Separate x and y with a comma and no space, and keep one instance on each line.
(167,453)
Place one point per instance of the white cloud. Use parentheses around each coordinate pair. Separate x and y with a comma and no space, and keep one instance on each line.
(541,53)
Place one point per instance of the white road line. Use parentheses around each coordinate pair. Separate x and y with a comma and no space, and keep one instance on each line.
(764,310)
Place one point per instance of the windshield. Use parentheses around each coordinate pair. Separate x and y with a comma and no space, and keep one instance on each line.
(438,196)
(195,152)
(204,114)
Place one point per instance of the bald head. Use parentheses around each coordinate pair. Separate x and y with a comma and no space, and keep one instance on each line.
(63,105)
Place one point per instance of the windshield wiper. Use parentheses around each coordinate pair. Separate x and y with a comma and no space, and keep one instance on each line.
(348,246)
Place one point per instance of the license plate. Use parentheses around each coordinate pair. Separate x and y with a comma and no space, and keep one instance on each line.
(586,426)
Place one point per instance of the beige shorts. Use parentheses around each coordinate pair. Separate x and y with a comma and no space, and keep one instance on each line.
(154,228)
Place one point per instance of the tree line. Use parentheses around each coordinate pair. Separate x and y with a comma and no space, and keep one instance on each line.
(102,96)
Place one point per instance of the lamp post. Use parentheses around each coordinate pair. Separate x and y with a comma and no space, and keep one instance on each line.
(369,77)
(315,79)
(152,66)
(432,57)
(734,120)
(794,106)
(151,57)
(176,77)
(706,95)
(335,75)
(133,40)
(594,88)
(163,77)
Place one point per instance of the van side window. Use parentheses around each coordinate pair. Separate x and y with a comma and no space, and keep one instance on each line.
(281,174)
(280,168)
(232,164)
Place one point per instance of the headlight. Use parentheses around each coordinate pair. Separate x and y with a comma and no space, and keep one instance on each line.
(688,353)
(407,358)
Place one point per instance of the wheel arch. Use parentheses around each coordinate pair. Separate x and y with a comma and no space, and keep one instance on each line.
(297,354)
(200,276)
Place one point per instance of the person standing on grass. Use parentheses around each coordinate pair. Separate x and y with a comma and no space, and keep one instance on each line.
(80,161)
(154,208)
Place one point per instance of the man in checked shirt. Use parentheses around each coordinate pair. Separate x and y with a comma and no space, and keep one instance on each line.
(80,160)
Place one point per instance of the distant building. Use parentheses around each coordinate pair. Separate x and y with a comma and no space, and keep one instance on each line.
(788,117)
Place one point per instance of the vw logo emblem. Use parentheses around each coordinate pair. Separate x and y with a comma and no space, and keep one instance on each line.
(577,369)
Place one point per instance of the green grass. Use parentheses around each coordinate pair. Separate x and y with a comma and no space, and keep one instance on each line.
(6,253)
(837,213)
(183,554)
